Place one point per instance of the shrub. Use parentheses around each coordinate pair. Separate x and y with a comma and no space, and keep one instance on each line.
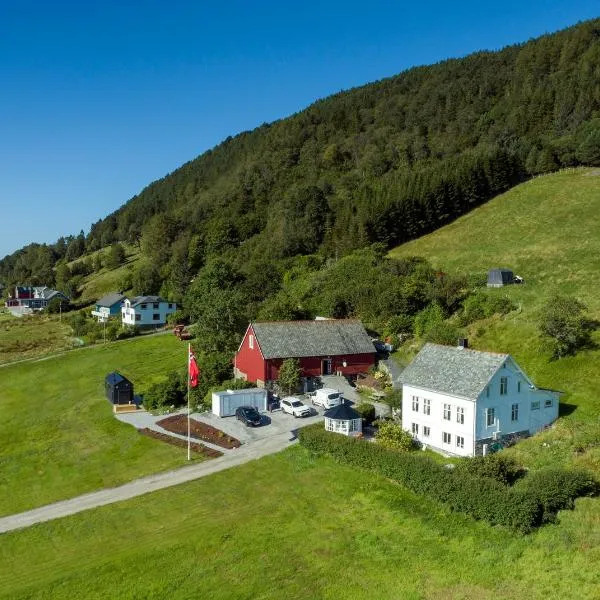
(391,435)
(480,497)
(556,489)
(499,467)
(366,411)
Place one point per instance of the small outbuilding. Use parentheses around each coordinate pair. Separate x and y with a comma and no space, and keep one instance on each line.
(343,419)
(224,404)
(118,389)
(500,277)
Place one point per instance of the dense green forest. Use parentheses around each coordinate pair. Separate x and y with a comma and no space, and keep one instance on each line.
(383,163)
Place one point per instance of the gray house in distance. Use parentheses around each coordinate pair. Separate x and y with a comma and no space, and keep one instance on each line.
(500,277)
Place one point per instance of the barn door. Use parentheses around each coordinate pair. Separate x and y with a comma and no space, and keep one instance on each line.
(326,366)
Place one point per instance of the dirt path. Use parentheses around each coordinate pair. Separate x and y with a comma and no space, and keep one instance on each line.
(145,485)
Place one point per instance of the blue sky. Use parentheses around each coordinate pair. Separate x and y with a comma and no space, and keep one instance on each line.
(98,99)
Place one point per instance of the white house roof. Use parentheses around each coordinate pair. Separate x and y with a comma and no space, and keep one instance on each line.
(452,370)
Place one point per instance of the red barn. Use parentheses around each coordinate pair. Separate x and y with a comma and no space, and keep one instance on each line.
(324,347)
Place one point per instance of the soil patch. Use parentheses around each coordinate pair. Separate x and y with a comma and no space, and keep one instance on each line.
(201,431)
(195,446)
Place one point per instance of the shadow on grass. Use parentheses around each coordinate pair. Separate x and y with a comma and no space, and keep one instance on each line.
(564,409)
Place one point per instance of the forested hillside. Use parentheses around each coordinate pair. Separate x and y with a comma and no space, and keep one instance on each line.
(385,163)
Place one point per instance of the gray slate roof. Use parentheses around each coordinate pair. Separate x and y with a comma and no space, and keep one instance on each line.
(145,300)
(452,370)
(110,299)
(297,339)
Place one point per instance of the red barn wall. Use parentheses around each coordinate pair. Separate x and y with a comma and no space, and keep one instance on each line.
(250,360)
(312,366)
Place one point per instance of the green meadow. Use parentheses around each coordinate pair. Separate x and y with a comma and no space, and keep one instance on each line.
(297,527)
(58,435)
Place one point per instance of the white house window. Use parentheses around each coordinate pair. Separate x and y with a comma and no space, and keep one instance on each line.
(426,431)
(548,403)
(329,425)
(447,438)
(514,413)
(503,386)
(354,425)
(426,406)
(490,416)
(447,412)
(251,342)
(415,403)
(460,415)
(460,441)
(535,405)
(415,428)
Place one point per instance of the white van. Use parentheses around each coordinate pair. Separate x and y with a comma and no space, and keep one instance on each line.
(327,398)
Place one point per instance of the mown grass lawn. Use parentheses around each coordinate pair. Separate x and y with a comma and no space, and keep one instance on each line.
(58,435)
(32,336)
(297,527)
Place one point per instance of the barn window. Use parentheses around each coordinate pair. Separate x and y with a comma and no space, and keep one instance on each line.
(251,342)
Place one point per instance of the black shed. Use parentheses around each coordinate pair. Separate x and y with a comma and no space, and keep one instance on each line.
(500,277)
(119,390)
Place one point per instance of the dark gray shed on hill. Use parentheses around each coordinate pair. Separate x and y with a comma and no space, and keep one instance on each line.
(118,389)
(500,277)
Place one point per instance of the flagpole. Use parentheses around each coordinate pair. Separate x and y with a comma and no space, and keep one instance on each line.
(188,415)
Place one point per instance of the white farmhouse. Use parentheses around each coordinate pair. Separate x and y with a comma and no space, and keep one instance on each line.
(461,401)
(146,311)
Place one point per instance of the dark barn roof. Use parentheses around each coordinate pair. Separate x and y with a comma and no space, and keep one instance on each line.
(342,412)
(500,277)
(110,299)
(298,339)
(115,378)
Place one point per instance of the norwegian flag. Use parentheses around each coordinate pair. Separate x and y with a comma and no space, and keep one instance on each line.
(193,370)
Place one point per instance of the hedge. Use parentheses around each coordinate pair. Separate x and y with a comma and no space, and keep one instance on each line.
(521,508)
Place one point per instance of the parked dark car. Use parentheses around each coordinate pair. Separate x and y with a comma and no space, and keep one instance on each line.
(248,415)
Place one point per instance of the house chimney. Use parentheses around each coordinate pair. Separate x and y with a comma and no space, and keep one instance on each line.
(463,343)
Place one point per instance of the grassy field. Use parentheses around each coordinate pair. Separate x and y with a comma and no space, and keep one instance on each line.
(58,436)
(548,231)
(294,526)
(32,336)
(291,526)
(106,280)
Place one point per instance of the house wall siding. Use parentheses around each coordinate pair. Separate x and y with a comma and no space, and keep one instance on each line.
(436,422)
(128,313)
(528,420)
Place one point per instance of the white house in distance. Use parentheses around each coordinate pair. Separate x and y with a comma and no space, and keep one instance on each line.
(460,401)
(146,311)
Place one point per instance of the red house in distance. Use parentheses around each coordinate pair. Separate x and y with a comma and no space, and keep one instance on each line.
(323,347)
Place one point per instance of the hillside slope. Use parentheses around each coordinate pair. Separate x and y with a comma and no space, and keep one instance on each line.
(385,162)
(548,231)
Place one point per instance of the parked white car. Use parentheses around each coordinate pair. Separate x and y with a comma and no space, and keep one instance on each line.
(327,398)
(295,407)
